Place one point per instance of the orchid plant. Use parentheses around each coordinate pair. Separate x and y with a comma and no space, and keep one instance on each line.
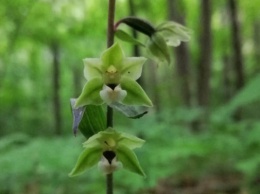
(111,80)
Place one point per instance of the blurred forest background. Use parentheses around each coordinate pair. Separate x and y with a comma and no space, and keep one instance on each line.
(202,136)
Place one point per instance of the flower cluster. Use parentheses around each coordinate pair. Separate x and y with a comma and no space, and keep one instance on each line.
(111,79)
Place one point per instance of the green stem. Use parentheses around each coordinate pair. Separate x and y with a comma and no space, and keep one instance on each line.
(110,23)
(110,183)
(110,41)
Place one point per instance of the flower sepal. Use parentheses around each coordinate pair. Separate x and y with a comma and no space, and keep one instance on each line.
(112,78)
(110,150)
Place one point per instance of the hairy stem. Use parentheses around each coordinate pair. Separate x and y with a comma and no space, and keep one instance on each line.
(110,41)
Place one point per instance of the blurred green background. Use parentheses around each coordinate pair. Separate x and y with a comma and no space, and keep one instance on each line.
(203,134)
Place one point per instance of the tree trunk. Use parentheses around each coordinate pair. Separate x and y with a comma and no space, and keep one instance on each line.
(257,46)
(76,80)
(227,81)
(182,56)
(237,51)
(236,43)
(55,50)
(204,65)
(136,48)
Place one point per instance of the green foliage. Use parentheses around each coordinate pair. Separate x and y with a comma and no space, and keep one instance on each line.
(246,96)
(170,151)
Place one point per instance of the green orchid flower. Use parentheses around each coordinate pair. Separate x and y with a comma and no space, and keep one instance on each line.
(112,78)
(173,33)
(110,150)
(166,34)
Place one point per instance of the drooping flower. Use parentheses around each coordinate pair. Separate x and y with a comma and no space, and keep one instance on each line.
(110,150)
(112,78)
(173,33)
(166,34)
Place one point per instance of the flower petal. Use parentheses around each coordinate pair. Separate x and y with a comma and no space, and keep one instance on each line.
(90,93)
(112,56)
(135,93)
(173,30)
(87,159)
(110,95)
(92,68)
(175,33)
(92,141)
(130,141)
(133,67)
(129,160)
(171,41)
(108,167)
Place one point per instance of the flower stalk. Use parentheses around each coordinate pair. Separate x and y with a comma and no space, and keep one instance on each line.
(110,41)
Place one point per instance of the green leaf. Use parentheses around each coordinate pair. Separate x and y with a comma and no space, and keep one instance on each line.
(129,160)
(122,35)
(89,119)
(112,56)
(90,93)
(133,112)
(87,159)
(138,24)
(250,93)
(135,93)
(93,121)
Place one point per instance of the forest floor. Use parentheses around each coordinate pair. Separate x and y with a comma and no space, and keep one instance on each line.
(210,184)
